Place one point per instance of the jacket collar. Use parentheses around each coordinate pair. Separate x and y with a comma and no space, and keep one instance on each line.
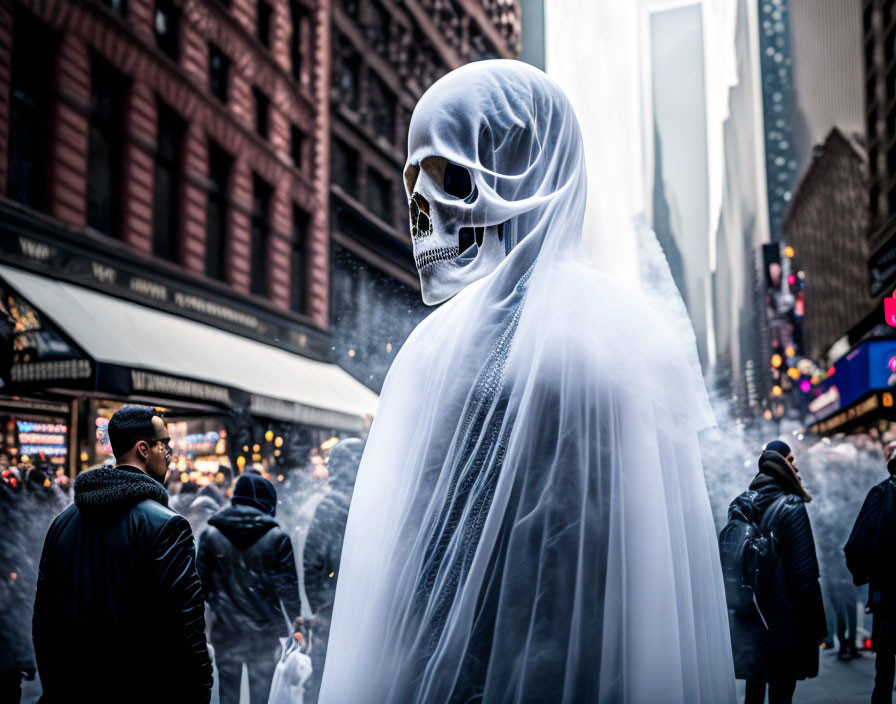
(124,485)
(775,469)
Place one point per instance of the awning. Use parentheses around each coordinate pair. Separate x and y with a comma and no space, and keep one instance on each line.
(146,352)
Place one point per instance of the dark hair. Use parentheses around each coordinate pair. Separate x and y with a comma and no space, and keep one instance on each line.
(130,424)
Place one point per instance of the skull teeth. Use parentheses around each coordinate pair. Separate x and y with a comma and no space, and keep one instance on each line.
(431,256)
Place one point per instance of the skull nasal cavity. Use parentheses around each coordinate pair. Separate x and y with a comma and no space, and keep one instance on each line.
(458,182)
(421,203)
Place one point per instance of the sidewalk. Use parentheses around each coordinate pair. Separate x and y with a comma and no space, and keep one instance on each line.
(838,682)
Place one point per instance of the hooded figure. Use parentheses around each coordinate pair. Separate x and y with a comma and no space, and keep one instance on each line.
(530,521)
(787,649)
(323,548)
(248,574)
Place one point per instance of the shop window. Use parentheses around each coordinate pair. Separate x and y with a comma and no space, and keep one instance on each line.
(345,168)
(348,78)
(262,107)
(108,89)
(296,145)
(298,264)
(30,107)
(166,185)
(300,19)
(219,164)
(264,13)
(260,235)
(218,72)
(379,196)
(166,25)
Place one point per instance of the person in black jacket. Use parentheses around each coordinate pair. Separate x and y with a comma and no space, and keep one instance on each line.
(118,615)
(786,650)
(248,574)
(871,558)
(323,548)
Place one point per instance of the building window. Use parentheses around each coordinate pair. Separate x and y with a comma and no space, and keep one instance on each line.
(379,195)
(345,168)
(262,104)
(30,107)
(119,7)
(166,185)
(296,145)
(105,145)
(264,12)
(378,27)
(166,25)
(299,17)
(348,79)
(261,204)
(218,71)
(219,164)
(298,275)
(382,105)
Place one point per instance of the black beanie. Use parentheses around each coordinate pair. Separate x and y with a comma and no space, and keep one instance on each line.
(782,448)
(256,491)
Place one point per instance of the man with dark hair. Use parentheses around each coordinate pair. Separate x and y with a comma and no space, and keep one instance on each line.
(249,578)
(871,558)
(118,583)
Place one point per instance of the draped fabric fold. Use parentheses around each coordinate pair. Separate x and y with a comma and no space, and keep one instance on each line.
(530,521)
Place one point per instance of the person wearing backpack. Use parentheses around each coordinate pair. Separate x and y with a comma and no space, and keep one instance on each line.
(871,558)
(768,556)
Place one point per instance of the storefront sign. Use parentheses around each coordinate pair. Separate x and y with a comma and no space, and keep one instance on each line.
(34,246)
(174,386)
(60,370)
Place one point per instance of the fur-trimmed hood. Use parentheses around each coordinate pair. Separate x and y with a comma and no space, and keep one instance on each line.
(121,487)
(773,467)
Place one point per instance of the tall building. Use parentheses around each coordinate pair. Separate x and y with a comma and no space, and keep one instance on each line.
(163,225)
(776,64)
(878,23)
(383,57)
(743,227)
(827,226)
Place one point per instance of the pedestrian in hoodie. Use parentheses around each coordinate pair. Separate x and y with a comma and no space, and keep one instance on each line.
(249,578)
(323,549)
(776,648)
(118,615)
(871,558)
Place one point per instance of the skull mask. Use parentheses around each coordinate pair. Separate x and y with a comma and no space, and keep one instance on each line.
(455,241)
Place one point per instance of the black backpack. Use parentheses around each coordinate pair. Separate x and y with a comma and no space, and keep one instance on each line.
(749,552)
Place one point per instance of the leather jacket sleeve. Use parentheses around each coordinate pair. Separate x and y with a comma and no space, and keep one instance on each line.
(287,579)
(174,569)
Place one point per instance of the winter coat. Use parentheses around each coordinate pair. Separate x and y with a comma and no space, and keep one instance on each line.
(323,548)
(118,615)
(248,570)
(871,558)
(791,603)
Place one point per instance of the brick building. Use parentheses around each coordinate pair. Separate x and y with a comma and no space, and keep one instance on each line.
(173,154)
(384,56)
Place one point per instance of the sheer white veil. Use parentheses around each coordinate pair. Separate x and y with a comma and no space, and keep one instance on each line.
(530,521)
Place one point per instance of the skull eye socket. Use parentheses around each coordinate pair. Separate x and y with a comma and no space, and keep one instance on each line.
(410,178)
(457,181)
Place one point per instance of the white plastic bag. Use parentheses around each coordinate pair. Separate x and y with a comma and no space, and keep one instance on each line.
(291,673)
